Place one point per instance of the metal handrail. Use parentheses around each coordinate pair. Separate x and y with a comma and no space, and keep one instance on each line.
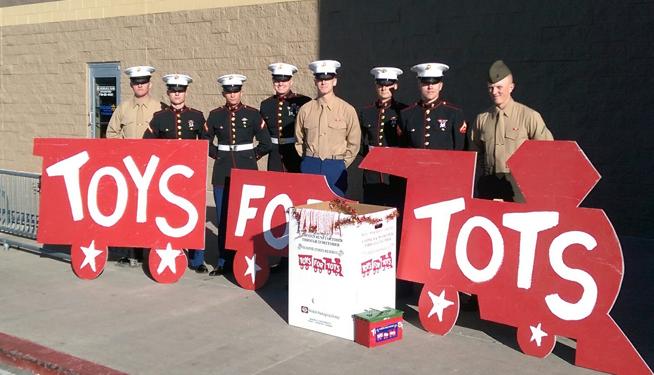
(19,203)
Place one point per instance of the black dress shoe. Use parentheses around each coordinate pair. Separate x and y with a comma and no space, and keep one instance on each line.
(217,271)
(201,269)
(280,267)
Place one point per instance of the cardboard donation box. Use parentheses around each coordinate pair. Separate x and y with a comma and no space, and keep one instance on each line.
(341,262)
(374,327)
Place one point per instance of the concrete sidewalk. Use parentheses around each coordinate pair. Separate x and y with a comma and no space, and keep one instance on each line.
(206,325)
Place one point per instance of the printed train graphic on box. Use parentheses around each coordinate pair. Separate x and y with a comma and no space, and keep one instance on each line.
(383,263)
(387,332)
(329,265)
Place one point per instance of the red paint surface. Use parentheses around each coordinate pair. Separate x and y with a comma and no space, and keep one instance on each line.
(27,355)
(274,188)
(80,202)
(554,177)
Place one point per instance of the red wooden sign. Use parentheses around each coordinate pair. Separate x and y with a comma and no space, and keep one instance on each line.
(97,193)
(257,223)
(547,267)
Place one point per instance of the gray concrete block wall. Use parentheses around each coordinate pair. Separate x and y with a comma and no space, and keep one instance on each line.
(586,66)
(44,66)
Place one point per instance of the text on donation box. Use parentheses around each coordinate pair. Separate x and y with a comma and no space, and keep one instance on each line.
(340,264)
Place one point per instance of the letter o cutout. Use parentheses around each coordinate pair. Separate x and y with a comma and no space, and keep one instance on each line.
(488,272)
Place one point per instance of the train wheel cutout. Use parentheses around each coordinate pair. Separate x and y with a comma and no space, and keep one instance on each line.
(251,271)
(88,259)
(438,308)
(534,340)
(167,265)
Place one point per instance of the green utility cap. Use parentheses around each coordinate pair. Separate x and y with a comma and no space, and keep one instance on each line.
(498,71)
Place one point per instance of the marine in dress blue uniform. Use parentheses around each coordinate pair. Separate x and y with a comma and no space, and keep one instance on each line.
(176,121)
(179,122)
(279,112)
(233,127)
(432,122)
(380,122)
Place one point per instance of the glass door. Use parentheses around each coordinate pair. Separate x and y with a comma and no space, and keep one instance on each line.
(104,96)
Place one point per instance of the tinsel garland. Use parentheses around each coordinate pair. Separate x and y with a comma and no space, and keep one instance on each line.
(322,222)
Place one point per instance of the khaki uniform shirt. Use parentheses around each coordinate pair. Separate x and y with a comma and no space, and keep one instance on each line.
(328,128)
(496,138)
(126,122)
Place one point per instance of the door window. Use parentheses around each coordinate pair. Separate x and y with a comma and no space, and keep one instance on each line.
(104,91)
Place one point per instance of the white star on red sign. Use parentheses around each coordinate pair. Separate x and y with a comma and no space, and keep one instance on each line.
(253,267)
(167,256)
(439,304)
(537,334)
(90,253)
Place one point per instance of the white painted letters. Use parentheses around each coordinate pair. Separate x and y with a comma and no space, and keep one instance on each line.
(440,214)
(142,183)
(584,307)
(245,212)
(497,242)
(529,224)
(69,168)
(276,242)
(178,201)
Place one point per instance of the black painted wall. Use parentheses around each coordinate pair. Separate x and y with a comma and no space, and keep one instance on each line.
(586,66)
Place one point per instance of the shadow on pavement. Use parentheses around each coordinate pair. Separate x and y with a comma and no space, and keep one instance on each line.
(275,291)
(505,335)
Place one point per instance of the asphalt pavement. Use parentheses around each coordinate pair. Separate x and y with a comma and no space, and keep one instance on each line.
(208,325)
